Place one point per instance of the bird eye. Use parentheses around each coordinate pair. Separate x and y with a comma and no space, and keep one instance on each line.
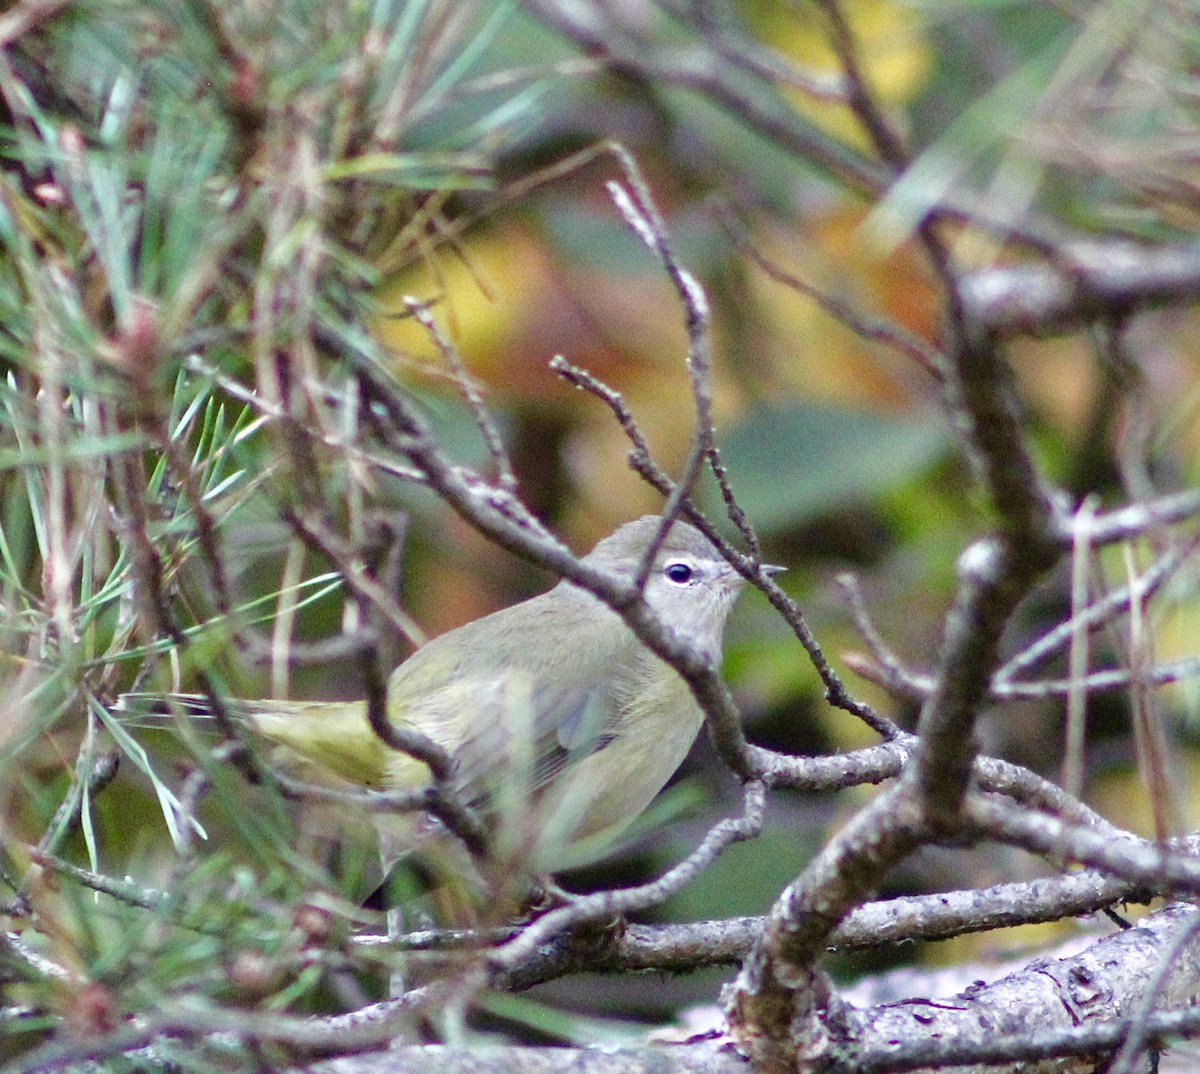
(679,573)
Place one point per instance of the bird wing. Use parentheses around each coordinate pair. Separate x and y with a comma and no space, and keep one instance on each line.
(514,697)
(579,724)
(527,734)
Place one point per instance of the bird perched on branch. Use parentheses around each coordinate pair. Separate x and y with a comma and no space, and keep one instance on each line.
(560,724)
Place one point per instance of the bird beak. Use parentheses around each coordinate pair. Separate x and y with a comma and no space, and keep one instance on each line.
(771,569)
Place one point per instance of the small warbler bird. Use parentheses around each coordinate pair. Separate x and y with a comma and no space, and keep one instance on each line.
(562,725)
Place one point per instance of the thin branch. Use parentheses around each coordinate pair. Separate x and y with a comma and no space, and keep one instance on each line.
(124,891)
(268,410)
(679,948)
(1173,866)
(754,56)
(1109,679)
(14,946)
(1079,651)
(871,764)
(640,459)
(348,562)
(1148,733)
(860,97)
(150,592)
(1140,1018)
(471,392)
(1029,789)
(745,95)
(862,325)
(458,817)
(92,774)
(604,905)
(888,670)
(1088,281)
(872,926)
(28,15)
(636,204)
(1097,614)
(1138,519)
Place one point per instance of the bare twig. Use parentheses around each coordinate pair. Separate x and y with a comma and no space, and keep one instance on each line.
(637,206)
(124,891)
(1140,1018)
(1079,652)
(26,16)
(93,772)
(605,905)
(1166,867)
(1086,281)
(889,670)
(861,324)
(1096,614)
(349,564)
(471,392)
(641,460)
(1137,519)
(754,56)
(860,97)
(1030,789)
(715,77)
(1148,734)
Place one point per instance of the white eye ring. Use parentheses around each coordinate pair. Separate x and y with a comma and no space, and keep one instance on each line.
(679,573)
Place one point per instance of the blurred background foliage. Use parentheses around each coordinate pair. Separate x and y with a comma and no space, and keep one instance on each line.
(193,187)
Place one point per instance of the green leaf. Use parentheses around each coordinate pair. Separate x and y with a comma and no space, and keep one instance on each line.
(745,878)
(791,463)
(563,1025)
(76,451)
(417,171)
(172,809)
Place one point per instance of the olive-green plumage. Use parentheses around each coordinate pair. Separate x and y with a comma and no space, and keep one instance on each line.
(562,725)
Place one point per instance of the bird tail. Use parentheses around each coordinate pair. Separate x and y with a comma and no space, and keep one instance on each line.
(334,737)
(154,710)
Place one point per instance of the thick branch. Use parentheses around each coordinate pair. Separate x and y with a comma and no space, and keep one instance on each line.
(1080,1006)
(1089,282)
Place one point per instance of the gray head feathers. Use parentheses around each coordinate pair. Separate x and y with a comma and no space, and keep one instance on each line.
(629,542)
(691,587)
